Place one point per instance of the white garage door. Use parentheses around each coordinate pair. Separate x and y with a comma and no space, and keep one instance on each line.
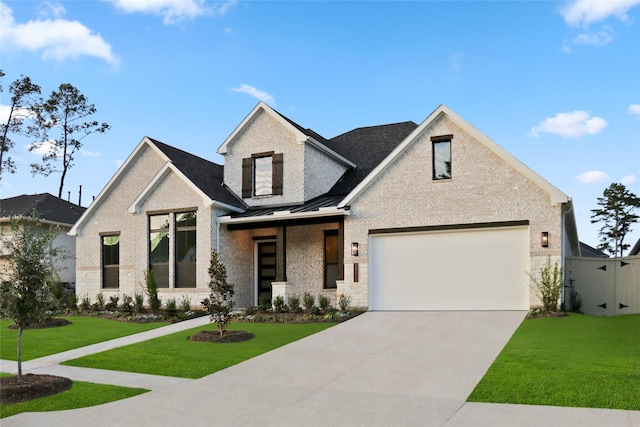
(470,269)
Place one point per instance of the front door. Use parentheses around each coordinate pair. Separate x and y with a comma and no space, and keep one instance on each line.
(266,270)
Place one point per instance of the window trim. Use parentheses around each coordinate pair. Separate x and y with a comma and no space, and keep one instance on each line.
(104,266)
(435,140)
(333,232)
(177,229)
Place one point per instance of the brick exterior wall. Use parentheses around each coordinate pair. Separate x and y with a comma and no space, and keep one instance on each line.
(172,195)
(483,188)
(307,172)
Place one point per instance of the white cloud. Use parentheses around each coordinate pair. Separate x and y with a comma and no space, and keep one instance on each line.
(635,110)
(45,147)
(174,11)
(88,153)
(570,125)
(599,38)
(628,180)
(585,12)
(256,93)
(593,177)
(56,39)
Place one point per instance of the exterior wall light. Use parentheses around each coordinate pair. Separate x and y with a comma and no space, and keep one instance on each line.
(354,248)
(544,239)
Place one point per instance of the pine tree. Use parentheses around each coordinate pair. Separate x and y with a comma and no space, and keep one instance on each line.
(616,214)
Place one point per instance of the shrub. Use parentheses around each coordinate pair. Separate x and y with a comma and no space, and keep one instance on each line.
(324,302)
(151,290)
(72,302)
(85,303)
(279,305)
(138,304)
(113,302)
(185,303)
(99,304)
(57,292)
(548,285)
(127,303)
(264,303)
(171,307)
(294,303)
(308,301)
(576,301)
(344,302)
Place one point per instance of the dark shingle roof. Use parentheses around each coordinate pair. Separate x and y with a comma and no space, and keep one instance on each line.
(366,147)
(48,207)
(636,249)
(206,175)
(588,251)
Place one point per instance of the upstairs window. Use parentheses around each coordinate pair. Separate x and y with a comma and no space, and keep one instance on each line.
(441,157)
(262,175)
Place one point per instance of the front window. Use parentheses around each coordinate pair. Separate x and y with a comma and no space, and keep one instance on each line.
(442,160)
(262,176)
(111,262)
(331,259)
(186,250)
(159,248)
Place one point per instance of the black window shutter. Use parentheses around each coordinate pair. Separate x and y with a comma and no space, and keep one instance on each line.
(247,165)
(276,174)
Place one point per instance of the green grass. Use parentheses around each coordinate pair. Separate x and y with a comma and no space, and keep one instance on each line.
(175,355)
(81,395)
(82,332)
(577,361)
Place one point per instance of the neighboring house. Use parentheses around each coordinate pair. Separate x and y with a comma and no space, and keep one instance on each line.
(402,216)
(636,249)
(590,252)
(53,212)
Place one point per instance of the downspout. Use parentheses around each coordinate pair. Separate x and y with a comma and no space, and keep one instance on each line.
(563,254)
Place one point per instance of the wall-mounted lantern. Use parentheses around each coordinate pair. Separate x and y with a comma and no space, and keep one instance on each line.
(354,248)
(544,239)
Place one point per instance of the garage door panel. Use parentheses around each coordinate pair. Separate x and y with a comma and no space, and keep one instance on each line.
(479,269)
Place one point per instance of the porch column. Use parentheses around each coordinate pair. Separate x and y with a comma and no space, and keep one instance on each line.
(341,249)
(281,254)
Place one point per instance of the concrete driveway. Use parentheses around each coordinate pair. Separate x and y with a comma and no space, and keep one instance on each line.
(379,369)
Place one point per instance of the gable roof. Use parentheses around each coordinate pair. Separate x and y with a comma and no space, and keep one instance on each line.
(588,251)
(203,176)
(49,208)
(557,196)
(301,134)
(367,146)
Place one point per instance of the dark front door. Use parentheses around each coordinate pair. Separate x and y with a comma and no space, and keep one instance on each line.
(266,270)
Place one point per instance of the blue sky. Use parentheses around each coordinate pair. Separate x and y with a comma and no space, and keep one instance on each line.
(556,83)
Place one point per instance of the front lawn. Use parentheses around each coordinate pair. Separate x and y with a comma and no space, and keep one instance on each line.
(578,361)
(83,331)
(174,355)
(81,395)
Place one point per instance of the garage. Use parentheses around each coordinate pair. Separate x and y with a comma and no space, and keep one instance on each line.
(479,268)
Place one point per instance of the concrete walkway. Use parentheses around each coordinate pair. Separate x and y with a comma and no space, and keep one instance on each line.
(379,369)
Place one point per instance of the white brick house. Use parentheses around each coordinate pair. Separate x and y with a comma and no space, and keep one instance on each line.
(403,216)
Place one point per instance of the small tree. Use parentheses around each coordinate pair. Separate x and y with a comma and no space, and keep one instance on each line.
(220,302)
(548,285)
(151,289)
(23,105)
(63,113)
(616,214)
(26,296)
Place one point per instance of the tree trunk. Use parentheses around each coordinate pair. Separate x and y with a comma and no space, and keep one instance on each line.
(20,380)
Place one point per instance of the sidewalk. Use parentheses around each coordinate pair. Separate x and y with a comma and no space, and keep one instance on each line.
(357,373)
(51,364)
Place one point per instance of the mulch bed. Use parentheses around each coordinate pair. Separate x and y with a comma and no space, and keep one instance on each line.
(49,323)
(227,337)
(34,386)
(546,314)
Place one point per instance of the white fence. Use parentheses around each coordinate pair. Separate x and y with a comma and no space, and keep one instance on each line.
(606,286)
